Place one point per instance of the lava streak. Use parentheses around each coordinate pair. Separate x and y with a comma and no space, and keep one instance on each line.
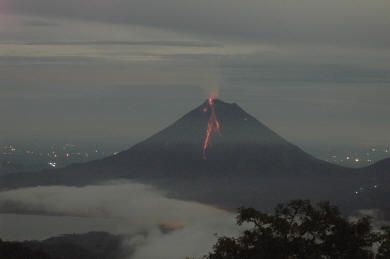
(213,126)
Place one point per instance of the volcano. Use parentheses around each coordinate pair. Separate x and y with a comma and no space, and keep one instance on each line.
(217,138)
(219,154)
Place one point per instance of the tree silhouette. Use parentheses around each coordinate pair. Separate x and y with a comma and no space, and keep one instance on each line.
(302,231)
(16,250)
(384,240)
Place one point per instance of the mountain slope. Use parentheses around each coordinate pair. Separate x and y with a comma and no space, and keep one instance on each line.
(381,168)
(245,146)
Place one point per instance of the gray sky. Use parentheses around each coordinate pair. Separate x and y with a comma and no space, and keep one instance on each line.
(314,71)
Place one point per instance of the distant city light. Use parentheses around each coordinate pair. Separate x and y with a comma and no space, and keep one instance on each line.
(53,164)
(55,156)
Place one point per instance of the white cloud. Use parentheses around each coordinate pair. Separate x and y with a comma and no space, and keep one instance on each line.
(139,208)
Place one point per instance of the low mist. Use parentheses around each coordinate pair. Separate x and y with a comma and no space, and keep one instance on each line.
(149,220)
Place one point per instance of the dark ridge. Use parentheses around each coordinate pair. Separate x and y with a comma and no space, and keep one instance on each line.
(92,245)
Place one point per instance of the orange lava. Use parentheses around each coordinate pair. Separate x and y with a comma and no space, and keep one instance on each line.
(213,126)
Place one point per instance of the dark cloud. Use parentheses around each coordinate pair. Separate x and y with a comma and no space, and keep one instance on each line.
(307,73)
(346,22)
(10,61)
(39,23)
(130,43)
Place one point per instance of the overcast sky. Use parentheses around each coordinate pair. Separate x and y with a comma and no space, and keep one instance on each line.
(314,71)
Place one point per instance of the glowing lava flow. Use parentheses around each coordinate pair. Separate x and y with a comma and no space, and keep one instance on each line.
(213,126)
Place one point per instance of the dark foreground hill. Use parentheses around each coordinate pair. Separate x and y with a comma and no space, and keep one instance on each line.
(92,245)
(245,163)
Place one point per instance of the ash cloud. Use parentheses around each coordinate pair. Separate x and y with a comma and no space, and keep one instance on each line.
(153,224)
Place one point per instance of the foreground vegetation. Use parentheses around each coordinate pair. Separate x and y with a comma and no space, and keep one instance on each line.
(297,230)
(303,231)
